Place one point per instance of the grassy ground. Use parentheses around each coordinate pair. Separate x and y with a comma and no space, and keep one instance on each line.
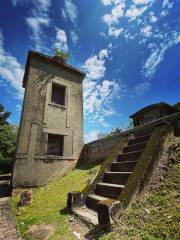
(49,203)
(155,217)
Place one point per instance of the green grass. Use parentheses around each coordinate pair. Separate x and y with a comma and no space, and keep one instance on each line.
(156,216)
(49,203)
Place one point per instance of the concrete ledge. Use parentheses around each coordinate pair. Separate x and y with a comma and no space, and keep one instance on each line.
(143,170)
(107,211)
(74,199)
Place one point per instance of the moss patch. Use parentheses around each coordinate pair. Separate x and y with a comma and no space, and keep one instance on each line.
(49,203)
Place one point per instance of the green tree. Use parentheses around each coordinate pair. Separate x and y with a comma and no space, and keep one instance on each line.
(61,54)
(177,106)
(114,131)
(8,134)
(3,115)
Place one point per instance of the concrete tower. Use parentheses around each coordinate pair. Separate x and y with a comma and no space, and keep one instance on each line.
(50,135)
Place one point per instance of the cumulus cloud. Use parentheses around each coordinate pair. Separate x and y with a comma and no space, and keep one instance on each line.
(167,4)
(74,37)
(142,2)
(18,107)
(141,88)
(116,12)
(147,31)
(157,53)
(133,12)
(95,65)
(61,40)
(37,20)
(11,71)
(70,11)
(91,136)
(115,32)
(98,92)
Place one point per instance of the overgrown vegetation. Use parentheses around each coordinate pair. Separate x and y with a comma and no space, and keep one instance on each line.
(61,54)
(154,217)
(49,203)
(8,133)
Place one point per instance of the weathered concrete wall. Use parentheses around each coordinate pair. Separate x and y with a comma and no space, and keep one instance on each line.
(40,116)
(98,150)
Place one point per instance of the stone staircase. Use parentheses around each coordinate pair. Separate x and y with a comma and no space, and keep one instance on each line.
(114,179)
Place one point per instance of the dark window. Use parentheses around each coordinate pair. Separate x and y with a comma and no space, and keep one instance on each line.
(58,94)
(55,145)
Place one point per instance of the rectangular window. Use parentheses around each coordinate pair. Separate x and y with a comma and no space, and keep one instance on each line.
(58,94)
(55,145)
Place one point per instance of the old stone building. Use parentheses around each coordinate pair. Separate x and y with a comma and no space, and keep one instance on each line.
(51,129)
(152,113)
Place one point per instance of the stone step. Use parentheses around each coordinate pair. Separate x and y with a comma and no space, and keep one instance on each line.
(139,139)
(6,176)
(135,147)
(130,156)
(116,177)
(92,201)
(142,132)
(127,166)
(4,182)
(108,190)
(87,215)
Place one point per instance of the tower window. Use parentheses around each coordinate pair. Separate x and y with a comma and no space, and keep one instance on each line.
(58,94)
(55,145)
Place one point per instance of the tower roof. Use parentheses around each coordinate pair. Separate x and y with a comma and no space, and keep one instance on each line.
(152,106)
(50,60)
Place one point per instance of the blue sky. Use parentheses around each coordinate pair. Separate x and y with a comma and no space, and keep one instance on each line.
(129,49)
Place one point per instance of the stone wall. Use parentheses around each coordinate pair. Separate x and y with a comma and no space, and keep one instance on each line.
(98,150)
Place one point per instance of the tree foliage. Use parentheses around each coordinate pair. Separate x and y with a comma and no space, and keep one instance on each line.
(8,134)
(3,115)
(61,54)
(177,106)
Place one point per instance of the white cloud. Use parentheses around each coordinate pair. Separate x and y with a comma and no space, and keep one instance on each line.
(133,12)
(63,13)
(38,20)
(157,53)
(142,2)
(109,2)
(74,37)
(115,32)
(15,2)
(167,4)
(95,65)
(91,136)
(98,93)
(147,31)
(11,71)
(18,107)
(141,88)
(116,12)
(61,40)
(70,10)
(153,18)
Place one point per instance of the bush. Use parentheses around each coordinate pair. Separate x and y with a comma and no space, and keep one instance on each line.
(8,134)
